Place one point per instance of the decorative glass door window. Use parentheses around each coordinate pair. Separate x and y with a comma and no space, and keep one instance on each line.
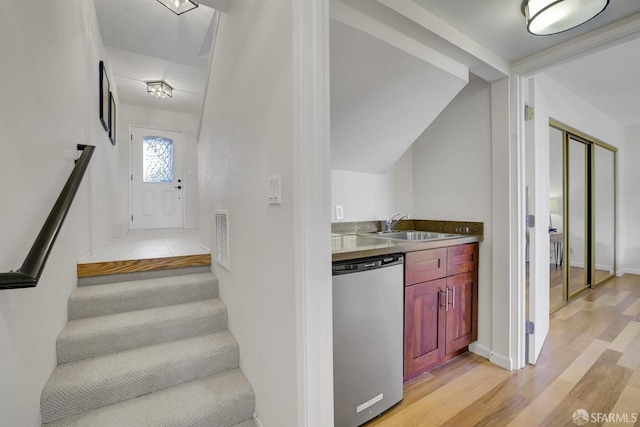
(157,159)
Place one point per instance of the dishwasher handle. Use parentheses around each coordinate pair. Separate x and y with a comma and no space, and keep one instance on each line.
(364,264)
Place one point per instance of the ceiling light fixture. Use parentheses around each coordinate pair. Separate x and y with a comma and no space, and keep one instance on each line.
(159,89)
(546,17)
(179,6)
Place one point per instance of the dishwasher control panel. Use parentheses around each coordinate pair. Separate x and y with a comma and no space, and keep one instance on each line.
(364,264)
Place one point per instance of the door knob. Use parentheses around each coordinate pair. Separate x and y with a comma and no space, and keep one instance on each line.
(179,187)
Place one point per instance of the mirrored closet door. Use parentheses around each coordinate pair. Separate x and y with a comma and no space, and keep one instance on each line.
(577,215)
(604,192)
(582,213)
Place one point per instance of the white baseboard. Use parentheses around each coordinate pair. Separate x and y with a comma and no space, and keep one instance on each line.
(577,264)
(204,247)
(624,271)
(501,360)
(480,350)
(493,357)
(256,420)
(604,267)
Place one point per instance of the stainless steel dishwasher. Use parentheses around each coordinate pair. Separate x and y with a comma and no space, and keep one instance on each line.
(368,296)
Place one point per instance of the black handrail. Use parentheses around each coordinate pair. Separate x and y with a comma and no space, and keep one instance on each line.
(29,274)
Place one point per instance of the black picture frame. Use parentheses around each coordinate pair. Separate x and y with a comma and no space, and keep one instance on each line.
(104,97)
(112,119)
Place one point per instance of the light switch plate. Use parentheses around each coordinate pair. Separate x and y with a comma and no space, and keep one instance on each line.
(274,190)
(339,212)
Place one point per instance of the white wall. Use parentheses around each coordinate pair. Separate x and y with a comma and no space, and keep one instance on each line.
(630,261)
(50,53)
(374,197)
(131,115)
(246,137)
(452,173)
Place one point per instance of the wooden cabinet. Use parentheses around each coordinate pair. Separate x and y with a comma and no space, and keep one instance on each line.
(441,313)
(462,316)
(461,259)
(424,316)
(423,266)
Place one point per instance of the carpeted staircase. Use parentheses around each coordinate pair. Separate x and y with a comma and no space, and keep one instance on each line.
(152,352)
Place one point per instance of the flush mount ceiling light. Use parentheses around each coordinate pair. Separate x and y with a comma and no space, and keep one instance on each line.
(179,6)
(159,89)
(546,17)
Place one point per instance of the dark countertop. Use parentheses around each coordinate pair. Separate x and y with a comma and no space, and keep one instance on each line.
(353,246)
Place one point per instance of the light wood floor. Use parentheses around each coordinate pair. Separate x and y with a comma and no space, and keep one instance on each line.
(576,284)
(556,282)
(590,361)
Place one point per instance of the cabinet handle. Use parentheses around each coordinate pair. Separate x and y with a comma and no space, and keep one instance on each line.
(446,299)
(453,296)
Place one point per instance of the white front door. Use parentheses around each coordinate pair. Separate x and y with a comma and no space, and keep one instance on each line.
(157,186)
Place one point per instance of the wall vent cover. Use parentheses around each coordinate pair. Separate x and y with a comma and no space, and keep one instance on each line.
(222,238)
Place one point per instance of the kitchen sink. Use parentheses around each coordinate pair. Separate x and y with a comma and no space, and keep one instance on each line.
(414,235)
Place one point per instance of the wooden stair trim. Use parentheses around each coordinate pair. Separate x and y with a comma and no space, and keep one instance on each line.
(138,265)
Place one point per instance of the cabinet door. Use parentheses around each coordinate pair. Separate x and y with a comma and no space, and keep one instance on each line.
(423,266)
(461,259)
(462,313)
(424,329)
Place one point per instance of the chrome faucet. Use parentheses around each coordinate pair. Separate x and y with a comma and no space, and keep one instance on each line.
(391,222)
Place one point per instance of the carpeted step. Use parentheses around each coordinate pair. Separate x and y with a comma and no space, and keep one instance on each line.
(100,300)
(221,400)
(96,336)
(83,386)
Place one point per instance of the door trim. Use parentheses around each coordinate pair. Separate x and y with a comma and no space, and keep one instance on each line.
(130,182)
